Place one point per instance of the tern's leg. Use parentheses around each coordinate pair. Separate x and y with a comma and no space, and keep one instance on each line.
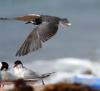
(43,82)
(1,84)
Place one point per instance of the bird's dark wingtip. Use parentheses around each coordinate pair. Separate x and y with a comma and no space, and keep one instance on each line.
(17,54)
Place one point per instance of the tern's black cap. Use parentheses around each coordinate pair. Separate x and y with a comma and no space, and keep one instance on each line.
(4,66)
(17,62)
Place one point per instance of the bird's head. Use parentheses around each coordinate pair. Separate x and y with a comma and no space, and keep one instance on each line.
(4,66)
(65,22)
(18,64)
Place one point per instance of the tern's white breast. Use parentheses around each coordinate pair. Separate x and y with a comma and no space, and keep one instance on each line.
(18,72)
(6,75)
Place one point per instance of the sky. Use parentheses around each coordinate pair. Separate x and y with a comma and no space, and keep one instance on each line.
(81,40)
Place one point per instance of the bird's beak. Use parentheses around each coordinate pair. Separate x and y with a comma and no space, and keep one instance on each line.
(69,24)
(65,24)
(14,66)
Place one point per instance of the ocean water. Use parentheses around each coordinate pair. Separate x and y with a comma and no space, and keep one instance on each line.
(77,46)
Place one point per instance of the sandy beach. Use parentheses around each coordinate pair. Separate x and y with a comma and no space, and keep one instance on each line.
(58,87)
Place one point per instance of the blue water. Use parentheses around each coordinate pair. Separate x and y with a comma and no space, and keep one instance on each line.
(81,40)
(91,82)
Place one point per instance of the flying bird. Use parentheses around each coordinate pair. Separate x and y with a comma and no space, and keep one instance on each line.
(46,28)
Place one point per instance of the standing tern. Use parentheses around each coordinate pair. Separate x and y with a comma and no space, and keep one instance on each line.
(21,71)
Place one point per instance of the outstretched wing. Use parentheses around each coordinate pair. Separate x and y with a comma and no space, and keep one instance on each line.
(26,17)
(40,34)
(31,43)
(47,30)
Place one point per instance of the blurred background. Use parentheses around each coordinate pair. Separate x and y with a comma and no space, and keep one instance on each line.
(78,44)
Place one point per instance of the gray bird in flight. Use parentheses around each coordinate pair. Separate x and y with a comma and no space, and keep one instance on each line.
(46,28)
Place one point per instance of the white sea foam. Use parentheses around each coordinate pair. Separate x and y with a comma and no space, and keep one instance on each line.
(65,68)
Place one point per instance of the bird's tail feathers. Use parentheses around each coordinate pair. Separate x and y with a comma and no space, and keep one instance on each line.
(45,75)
